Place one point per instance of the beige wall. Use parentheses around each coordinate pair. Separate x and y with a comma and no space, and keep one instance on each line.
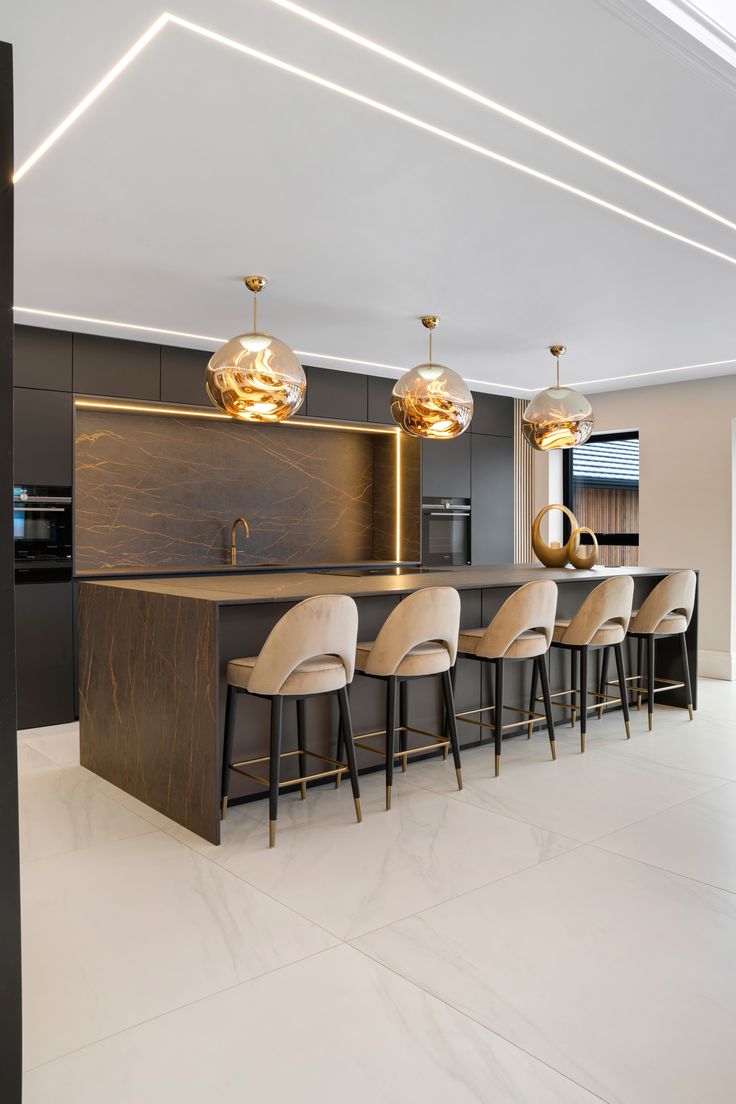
(686,503)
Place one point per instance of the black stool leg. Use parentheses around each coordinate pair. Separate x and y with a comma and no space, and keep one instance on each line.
(446,726)
(603,681)
(452,725)
(390,736)
(639,668)
(498,714)
(686,675)
(621,671)
(277,713)
(340,740)
(542,662)
(402,722)
(347,728)
(533,697)
(231,704)
(573,684)
(650,679)
(301,729)
(583,696)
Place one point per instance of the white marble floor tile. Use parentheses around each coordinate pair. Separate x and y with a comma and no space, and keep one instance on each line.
(351,877)
(617,974)
(580,796)
(31,760)
(121,932)
(60,743)
(333,1028)
(696,839)
(61,811)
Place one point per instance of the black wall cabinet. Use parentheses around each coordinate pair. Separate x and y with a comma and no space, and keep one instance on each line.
(121,369)
(42,358)
(42,450)
(182,376)
(44,640)
(379,400)
(446,468)
(492,414)
(342,396)
(492,520)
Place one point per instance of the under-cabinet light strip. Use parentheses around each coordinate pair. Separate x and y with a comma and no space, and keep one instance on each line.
(342,90)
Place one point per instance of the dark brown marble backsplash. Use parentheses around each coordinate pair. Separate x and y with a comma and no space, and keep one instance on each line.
(155,490)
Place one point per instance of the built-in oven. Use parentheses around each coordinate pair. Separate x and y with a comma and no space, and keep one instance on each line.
(42,533)
(446,531)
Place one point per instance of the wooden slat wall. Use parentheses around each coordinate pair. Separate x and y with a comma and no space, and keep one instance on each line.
(610,510)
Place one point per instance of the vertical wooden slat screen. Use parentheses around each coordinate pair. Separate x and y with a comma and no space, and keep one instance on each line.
(523,490)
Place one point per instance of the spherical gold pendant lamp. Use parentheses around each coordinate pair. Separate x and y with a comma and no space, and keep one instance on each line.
(557,418)
(432,401)
(255,377)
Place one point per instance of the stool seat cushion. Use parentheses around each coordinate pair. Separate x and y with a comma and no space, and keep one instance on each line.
(672,623)
(527,645)
(321,674)
(428,658)
(610,632)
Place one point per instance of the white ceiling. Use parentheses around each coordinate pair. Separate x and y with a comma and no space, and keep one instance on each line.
(200,164)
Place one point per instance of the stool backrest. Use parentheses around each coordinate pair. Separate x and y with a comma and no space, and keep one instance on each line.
(324,625)
(610,601)
(532,606)
(431,614)
(674,594)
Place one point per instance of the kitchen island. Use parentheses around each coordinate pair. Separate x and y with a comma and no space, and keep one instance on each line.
(153,657)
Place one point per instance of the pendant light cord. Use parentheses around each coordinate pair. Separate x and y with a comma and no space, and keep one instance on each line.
(255,300)
(557,359)
(430,346)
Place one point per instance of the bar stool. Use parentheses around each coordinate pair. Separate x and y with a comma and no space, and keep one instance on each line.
(417,640)
(521,630)
(310,651)
(601,622)
(666,611)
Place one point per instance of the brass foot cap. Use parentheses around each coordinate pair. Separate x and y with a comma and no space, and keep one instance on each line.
(690,711)
(272,833)
(223,807)
(459,776)
(358,812)
(651,721)
(498,765)
(444,752)
(628,730)
(582,744)
(388,797)
(303,788)
(553,747)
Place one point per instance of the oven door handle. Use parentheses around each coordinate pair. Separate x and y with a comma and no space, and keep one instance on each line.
(40,509)
(447,514)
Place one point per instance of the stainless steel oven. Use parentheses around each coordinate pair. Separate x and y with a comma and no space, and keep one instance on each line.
(446,531)
(42,532)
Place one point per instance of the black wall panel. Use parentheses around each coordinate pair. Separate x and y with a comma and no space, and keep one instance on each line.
(123,369)
(42,358)
(43,436)
(492,414)
(446,468)
(182,376)
(342,396)
(379,400)
(492,520)
(44,627)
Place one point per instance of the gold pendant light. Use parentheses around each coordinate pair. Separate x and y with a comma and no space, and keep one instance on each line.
(432,401)
(255,377)
(557,418)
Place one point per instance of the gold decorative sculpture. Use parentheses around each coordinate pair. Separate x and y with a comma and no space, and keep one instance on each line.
(559,555)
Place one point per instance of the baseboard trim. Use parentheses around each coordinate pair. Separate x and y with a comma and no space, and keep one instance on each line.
(717,665)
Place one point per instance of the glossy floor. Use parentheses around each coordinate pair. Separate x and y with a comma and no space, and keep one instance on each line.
(565,933)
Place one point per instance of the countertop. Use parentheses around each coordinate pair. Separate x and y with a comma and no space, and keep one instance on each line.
(293,586)
(133,571)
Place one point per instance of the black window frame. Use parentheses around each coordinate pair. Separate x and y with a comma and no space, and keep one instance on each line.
(629,539)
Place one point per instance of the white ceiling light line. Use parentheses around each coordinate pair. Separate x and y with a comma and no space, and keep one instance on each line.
(358,97)
(656,372)
(500,109)
(137,328)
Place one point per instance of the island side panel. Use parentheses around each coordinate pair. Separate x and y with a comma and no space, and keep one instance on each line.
(147,700)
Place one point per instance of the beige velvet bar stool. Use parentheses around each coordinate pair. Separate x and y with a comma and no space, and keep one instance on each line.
(417,640)
(601,622)
(666,611)
(521,630)
(310,651)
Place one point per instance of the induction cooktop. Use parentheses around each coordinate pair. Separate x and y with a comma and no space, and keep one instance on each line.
(357,572)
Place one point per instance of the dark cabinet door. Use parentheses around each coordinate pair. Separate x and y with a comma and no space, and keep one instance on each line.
(42,358)
(339,396)
(182,376)
(44,644)
(379,400)
(492,518)
(446,468)
(42,448)
(121,369)
(492,414)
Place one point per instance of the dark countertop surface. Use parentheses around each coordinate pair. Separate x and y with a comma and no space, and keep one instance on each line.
(245,589)
(134,571)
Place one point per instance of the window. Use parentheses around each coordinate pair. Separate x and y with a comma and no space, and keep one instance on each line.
(601,487)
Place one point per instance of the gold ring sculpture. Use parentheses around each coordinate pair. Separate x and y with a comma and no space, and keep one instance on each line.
(559,555)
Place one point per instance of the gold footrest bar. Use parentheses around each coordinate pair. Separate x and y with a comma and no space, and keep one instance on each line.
(601,699)
(438,742)
(529,717)
(338,768)
(641,690)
